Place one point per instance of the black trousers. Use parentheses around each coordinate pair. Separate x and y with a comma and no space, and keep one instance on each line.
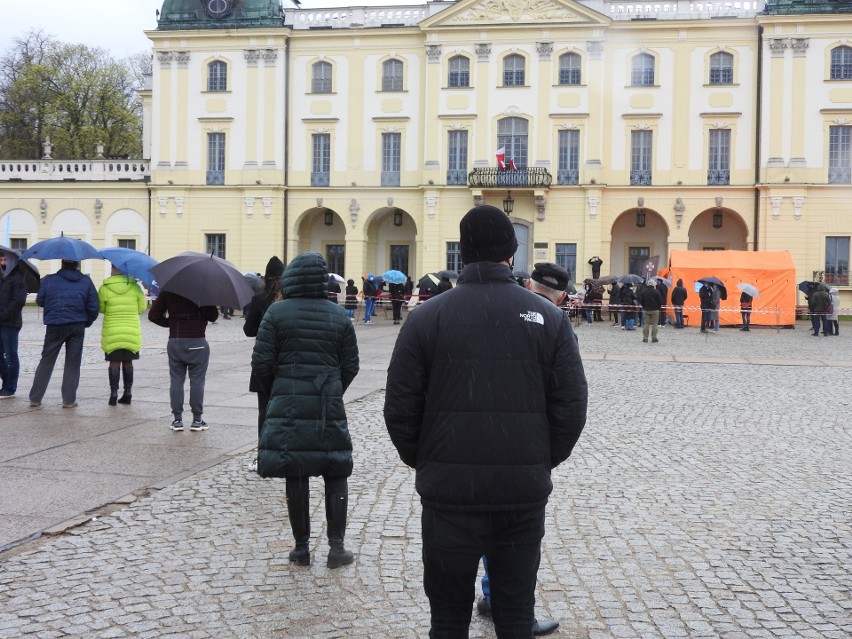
(453,544)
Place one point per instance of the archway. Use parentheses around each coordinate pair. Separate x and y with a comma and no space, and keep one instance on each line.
(718,229)
(637,234)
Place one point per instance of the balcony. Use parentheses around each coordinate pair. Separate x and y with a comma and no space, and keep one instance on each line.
(718,176)
(320,178)
(390,178)
(640,178)
(215,178)
(492,176)
(568,176)
(456,177)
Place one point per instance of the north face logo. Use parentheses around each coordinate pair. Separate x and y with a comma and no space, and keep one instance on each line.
(533,316)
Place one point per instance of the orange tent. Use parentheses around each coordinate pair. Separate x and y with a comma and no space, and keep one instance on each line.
(772,272)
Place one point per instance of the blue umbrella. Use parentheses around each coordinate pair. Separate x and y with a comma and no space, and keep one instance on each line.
(395,277)
(133,263)
(62,248)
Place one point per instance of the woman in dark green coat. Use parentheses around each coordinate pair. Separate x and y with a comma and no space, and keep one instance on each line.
(306,352)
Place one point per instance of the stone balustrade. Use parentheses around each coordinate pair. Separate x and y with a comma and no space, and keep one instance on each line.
(74,171)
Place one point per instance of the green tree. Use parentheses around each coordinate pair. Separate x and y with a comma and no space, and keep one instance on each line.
(77,95)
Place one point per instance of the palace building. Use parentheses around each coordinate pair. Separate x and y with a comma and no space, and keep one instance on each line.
(619,129)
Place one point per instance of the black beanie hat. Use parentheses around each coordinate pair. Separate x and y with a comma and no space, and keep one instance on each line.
(486,235)
(274,268)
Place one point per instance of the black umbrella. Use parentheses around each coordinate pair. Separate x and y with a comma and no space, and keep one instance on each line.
(32,277)
(204,279)
(450,275)
(807,287)
(716,282)
(522,274)
(606,279)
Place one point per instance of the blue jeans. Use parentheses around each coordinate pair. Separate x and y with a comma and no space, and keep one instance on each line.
(369,305)
(678,316)
(454,542)
(10,365)
(72,336)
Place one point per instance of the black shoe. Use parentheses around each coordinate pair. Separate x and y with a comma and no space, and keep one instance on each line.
(125,398)
(300,556)
(113,398)
(338,556)
(483,607)
(655,340)
(544,627)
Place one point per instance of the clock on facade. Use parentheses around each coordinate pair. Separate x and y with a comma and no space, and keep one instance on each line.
(218,8)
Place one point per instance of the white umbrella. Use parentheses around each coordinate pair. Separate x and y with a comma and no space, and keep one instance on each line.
(749,289)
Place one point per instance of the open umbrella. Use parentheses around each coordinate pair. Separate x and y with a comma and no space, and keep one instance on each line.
(32,277)
(62,248)
(452,275)
(255,281)
(430,280)
(337,278)
(631,278)
(606,279)
(666,283)
(717,282)
(204,279)
(749,289)
(133,263)
(807,287)
(395,277)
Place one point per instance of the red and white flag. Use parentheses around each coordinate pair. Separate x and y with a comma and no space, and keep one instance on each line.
(512,165)
(501,158)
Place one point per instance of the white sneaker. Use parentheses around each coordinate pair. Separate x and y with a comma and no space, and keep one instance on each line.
(253,465)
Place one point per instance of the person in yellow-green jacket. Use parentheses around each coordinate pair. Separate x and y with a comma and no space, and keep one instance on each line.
(121,302)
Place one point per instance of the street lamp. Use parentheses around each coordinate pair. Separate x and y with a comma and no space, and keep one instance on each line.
(508,203)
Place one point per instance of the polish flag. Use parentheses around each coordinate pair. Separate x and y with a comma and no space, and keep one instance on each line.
(512,165)
(501,158)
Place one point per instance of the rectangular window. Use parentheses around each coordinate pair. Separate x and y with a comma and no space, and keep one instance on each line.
(392,75)
(457,157)
(215,158)
(215,243)
(391,157)
(636,258)
(399,258)
(130,244)
(719,157)
(566,257)
(839,155)
(217,76)
(640,158)
(459,75)
(321,162)
(18,243)
(837,261)
(335,258)
(568,171)
(454,261)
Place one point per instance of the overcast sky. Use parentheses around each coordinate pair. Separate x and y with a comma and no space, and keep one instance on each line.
(114,25)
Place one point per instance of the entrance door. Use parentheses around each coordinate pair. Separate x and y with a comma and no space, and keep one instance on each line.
(636,258)
(522,233)
(399,258)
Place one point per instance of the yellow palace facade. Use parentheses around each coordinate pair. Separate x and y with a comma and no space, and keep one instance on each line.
(623,130)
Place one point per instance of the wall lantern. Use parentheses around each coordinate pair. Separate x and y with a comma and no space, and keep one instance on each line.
(717,219)
(640,218)
(329,217)
(397,217)
(508,203)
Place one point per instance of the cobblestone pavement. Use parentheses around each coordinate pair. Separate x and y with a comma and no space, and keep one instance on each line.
(710,496)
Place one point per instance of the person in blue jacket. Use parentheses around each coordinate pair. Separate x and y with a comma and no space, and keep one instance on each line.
(70,303)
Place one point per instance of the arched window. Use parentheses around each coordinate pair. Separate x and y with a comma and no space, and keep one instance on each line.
(841,63)
(512,136)
(569,68)
(217,76)
(392,75)
(321,81)
(514,70)
(721,68)
(459,72)
(643,70)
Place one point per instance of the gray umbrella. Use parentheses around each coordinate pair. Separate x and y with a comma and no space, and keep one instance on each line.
(204,279)
(631,278)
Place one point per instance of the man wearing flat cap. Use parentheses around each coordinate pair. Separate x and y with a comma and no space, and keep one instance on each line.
(486,394)
(549,280)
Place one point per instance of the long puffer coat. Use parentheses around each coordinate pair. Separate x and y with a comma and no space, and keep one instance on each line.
(306,351)
(121,300)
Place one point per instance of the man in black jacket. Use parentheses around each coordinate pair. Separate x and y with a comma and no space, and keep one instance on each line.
(651,303)
(13,296)
(486,394)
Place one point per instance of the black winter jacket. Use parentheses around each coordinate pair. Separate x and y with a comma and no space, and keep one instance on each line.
(486,393)
(679,295)
(13,296)
(306,352)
